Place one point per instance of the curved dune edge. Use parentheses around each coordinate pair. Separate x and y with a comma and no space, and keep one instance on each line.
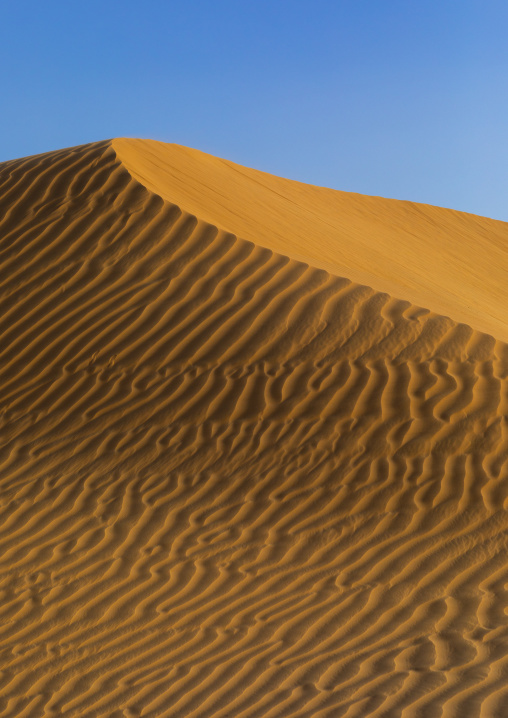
(452,262)
(232,483)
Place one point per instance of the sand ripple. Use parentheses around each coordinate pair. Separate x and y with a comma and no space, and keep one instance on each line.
(232,484)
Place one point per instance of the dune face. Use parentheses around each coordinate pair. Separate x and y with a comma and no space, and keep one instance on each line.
(234,483)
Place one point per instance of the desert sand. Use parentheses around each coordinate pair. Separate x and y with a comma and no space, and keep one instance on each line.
(254,445)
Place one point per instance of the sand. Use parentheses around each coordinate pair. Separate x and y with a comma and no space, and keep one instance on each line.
(254,445)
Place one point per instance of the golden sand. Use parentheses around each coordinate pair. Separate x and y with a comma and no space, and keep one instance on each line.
(242,471)
(450,262)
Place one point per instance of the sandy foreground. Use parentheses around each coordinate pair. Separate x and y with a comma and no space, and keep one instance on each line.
(253,445)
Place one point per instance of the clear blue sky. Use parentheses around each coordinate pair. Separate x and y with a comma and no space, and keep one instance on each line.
(404,99)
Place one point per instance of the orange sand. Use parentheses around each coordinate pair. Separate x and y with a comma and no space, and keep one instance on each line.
(233,483)
(451,262)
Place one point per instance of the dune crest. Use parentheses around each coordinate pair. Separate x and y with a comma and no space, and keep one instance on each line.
(451,262)
(233,483)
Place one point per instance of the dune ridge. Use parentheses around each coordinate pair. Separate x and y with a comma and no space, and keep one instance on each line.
(450,262)
(233,483)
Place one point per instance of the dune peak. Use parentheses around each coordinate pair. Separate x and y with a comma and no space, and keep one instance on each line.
(451,262)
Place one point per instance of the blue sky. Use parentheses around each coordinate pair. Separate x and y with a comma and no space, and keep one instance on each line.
(399,99)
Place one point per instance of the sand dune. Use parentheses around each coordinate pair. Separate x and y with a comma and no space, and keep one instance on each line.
(451,262)
(233,483)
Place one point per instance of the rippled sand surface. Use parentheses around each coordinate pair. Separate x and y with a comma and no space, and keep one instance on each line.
(242,471)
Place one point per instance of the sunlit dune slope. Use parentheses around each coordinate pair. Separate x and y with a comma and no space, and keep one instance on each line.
(231,482)
(451,262)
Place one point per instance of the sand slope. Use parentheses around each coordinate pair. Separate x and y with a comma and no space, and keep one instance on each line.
(231,483)
(451,262)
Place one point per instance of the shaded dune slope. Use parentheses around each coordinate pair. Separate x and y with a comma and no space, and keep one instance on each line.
(233,484)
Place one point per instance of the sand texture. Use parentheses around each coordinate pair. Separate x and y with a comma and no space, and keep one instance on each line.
(236,480)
